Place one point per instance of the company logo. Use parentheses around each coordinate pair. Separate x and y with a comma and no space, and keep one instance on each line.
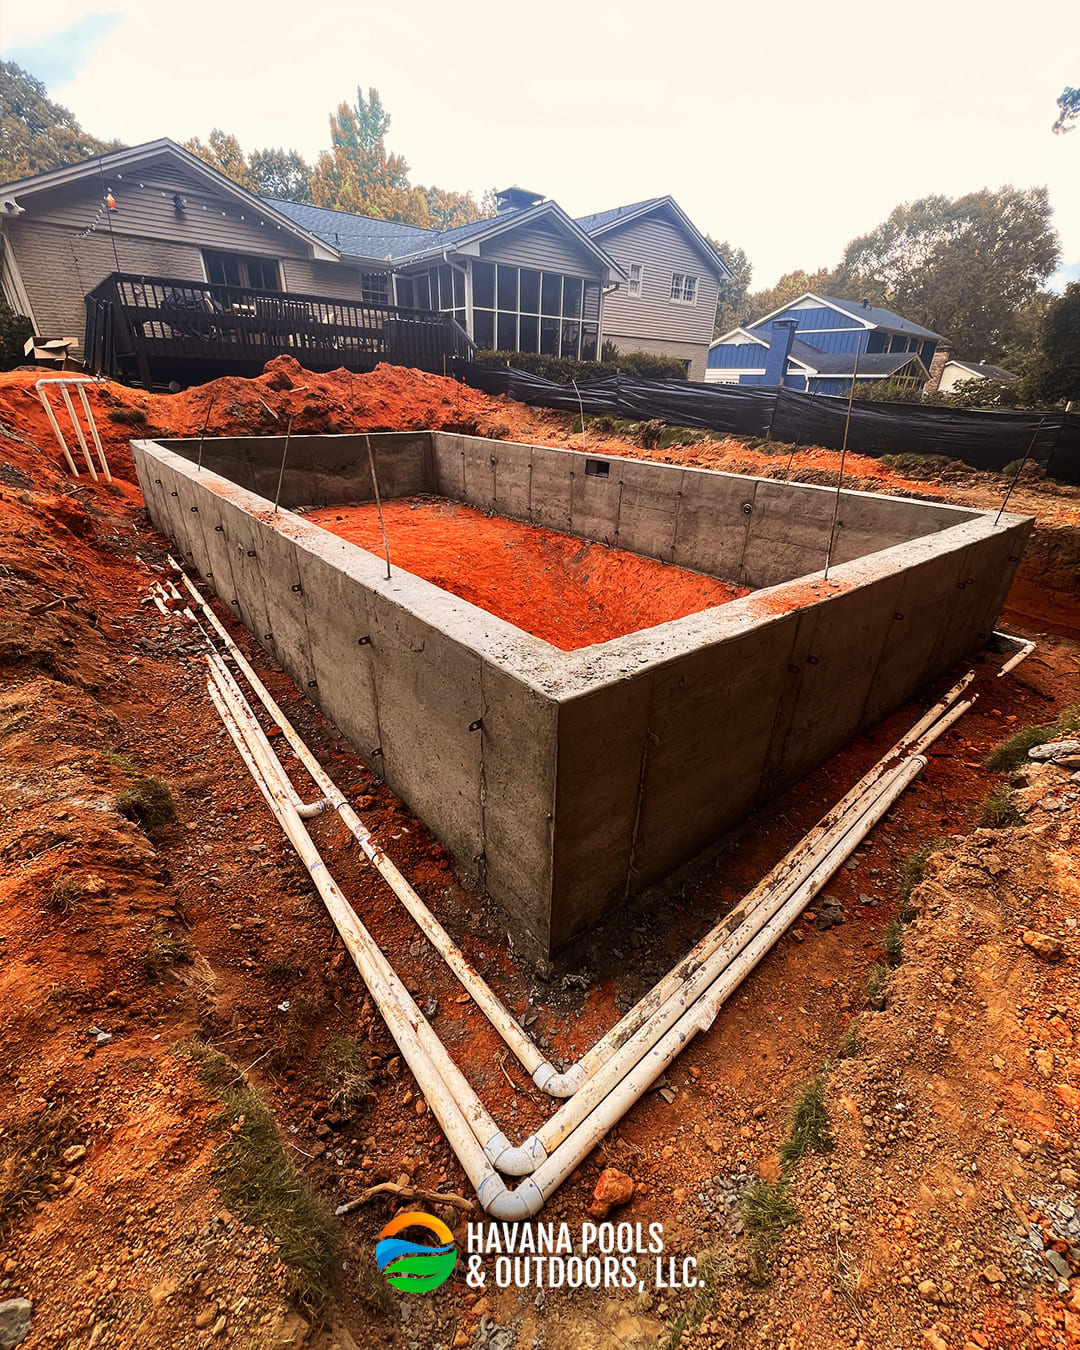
(408,1266)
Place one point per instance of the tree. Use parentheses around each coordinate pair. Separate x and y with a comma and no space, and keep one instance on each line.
(1054,376)
(1069,105)
(281,173)
(962,267)
(731,299)
(358,174)
(38,133)
(790,286)
(223,153)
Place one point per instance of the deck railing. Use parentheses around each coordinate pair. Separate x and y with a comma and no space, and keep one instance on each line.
(140,327)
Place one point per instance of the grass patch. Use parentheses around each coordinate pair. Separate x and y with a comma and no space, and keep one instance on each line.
(296,1031)
(809,1125)
(1011,753)
(164,950)
(132,416)
(999,810)
(912,871)
(68,894)
(917,463)
(121,762)
(848,1045)
(708,1276)
(874,989)
(148,802)
(766,1212)
(30,1149)
(892,940)
(345,1072)
(258,1179)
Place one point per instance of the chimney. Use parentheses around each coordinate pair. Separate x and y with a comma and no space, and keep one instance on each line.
(937,369)
(516,199)
(776,359)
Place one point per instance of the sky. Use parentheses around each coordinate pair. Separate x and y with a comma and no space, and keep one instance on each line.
(787,129)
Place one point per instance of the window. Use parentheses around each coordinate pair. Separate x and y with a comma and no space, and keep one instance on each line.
(526,310)
(633,286)
(683,288)
(237,269)
(374,288)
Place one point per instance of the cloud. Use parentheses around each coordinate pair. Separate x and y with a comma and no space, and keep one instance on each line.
(57,59)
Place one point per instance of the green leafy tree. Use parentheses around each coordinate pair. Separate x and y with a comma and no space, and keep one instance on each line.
(790,286)
(731,300)
(38,134)
(281,173)
(962,267)
(1054,376)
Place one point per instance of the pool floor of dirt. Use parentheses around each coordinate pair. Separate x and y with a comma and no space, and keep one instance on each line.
(569,591)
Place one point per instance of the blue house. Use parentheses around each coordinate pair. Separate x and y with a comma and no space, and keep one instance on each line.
(819,344)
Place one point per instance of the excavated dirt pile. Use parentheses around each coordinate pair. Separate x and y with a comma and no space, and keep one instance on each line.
(192,1076)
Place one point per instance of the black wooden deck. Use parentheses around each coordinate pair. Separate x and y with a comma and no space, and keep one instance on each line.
(152,330)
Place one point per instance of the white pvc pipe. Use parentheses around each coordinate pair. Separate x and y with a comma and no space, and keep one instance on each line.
(77,428)
(1024,650)
(519,1043)
(81,385)
(268,774)
(638,1070)
(545,1076)
(55,425)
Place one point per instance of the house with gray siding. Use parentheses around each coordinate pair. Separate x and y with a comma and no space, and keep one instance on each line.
(529,279)
(667,304)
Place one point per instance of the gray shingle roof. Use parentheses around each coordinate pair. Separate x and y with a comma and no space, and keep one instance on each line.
(603,218)
(361,236)
(884,318)
(980,371)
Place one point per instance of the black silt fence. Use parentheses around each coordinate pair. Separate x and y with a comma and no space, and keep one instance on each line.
(984,439)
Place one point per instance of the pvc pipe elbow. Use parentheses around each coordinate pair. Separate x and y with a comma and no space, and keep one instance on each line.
(519,1162)
(509,1206)
(318,808)
(559,1084)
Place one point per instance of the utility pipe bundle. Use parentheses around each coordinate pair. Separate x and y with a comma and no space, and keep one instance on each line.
(624,1063)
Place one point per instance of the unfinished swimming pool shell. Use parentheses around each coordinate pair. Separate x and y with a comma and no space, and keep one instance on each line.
(565,781)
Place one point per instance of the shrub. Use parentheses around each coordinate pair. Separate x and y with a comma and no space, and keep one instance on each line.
(893,942)
(563,370)
(14,330)
(874,990)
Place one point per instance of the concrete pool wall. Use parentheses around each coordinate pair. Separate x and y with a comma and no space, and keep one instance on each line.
(565,781)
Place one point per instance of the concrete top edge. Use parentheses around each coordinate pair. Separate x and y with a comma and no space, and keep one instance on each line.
(569,675)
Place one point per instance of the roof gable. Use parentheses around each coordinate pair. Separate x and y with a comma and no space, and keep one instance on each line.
(605,222)
(152,155)
(869,316)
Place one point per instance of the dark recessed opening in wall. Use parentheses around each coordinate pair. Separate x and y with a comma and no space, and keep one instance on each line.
(597,468)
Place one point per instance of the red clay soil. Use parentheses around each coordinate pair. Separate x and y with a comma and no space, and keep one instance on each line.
(568,591)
